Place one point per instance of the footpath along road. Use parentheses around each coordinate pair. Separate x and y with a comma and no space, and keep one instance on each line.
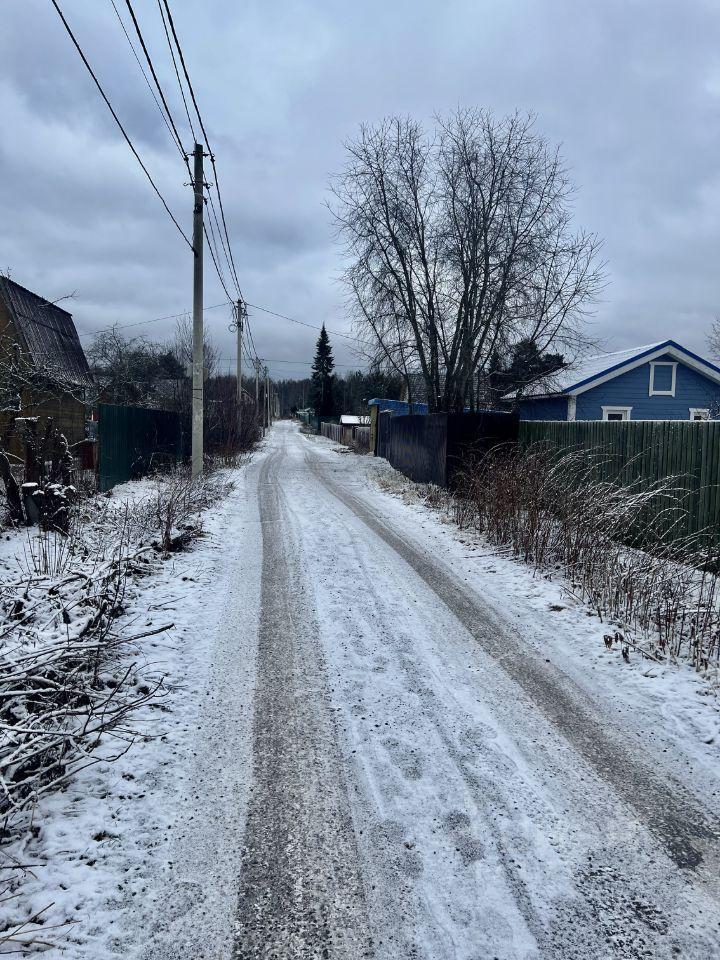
(425,780)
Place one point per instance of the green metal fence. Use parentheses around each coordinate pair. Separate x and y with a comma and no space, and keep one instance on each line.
(134,441)
(644,452)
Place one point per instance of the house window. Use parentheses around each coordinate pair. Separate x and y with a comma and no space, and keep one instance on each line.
(616,413)
(662,379)
(699,413)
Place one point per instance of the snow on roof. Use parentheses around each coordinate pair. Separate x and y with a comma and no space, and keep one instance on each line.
(587,369)
(351,421)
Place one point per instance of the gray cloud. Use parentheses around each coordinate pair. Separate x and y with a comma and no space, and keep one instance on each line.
(630,89)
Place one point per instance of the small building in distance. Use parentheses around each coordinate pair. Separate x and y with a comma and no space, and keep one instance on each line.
(43,369)
(351,425)
(659,381)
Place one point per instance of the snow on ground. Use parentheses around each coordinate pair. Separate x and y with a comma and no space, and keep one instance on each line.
(480,829)
(670,703)
(494,815)
(103,850)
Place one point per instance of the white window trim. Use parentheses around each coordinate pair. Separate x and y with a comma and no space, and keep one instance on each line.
(572,408)
(702,410)
(662,393)
(625,411)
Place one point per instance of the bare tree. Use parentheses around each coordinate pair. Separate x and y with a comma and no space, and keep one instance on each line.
(460,245)
(713,338)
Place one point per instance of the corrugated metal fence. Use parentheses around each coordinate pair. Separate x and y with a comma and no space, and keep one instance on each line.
(645,452)
(134,441)
(432,448)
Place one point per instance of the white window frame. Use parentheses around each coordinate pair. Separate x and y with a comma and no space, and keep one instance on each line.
(662,393)
(704,411)
(625,411)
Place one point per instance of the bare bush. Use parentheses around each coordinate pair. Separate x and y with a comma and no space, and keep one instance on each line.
(65,695)
(615,541)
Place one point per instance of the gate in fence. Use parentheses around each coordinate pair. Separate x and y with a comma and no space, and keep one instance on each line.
(382,444)
(134,441)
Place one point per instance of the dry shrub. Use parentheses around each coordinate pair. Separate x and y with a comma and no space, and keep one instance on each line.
(615,540)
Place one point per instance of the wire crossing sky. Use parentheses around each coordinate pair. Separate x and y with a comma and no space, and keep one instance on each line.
(631,91)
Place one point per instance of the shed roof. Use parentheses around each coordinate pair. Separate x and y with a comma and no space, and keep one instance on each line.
(48,334)
(349,420)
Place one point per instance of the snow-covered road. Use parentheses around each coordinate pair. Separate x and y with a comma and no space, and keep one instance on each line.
(425,783)
(393,743)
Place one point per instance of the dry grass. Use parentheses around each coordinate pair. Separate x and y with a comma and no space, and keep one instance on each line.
(609,538)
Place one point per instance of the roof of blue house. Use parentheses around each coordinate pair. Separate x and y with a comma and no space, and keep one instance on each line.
(398,408)
(593,371)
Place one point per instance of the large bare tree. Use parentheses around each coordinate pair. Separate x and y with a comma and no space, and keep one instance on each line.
(460,245)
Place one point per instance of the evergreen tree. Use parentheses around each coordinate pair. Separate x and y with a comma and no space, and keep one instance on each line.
(528,364)
(322,379)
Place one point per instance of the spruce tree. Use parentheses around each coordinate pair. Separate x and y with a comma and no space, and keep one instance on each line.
(322,381)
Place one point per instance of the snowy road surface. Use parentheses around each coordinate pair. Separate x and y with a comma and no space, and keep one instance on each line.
(393,758)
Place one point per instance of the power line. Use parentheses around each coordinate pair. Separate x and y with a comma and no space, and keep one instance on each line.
(228,258)
(301,363)
(177,74)
(145,76)
(207,141)
(214,257)
(141,323)
(302,323)
(118,122)
(178,138)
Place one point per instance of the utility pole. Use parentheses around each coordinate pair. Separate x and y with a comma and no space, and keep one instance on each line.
(239,327)
(198,359)
(257,394)
(267,397)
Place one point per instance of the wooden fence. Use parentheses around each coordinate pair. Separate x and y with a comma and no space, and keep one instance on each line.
(646,452)
(356,435)
(333,431)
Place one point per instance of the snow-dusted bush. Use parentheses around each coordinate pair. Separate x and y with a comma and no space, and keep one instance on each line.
(613,539)
(71,677)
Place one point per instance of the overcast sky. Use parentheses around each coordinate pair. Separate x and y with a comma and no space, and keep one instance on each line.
(631,90)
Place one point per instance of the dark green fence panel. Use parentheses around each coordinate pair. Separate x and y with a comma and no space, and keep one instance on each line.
(645,452)
(134,441)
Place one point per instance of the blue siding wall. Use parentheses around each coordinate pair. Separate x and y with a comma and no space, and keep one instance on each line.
(632,389)
(544,408)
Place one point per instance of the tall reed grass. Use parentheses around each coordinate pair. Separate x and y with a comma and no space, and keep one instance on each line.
(617,543)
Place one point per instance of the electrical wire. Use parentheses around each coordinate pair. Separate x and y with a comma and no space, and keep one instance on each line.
(177,73)
(147,81)
(141,323)
(205,136)
(183,153)
(214,258)
(169,122)
(224,246)
(118,122)
(302,323)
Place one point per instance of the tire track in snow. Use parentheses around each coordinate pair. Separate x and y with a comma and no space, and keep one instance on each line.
(301,888)
(615,898)
(690,835)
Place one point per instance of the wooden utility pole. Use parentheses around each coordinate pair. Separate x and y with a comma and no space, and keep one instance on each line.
(197,358)
(239,327)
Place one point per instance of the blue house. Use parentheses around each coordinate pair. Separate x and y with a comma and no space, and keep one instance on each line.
(661,381)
